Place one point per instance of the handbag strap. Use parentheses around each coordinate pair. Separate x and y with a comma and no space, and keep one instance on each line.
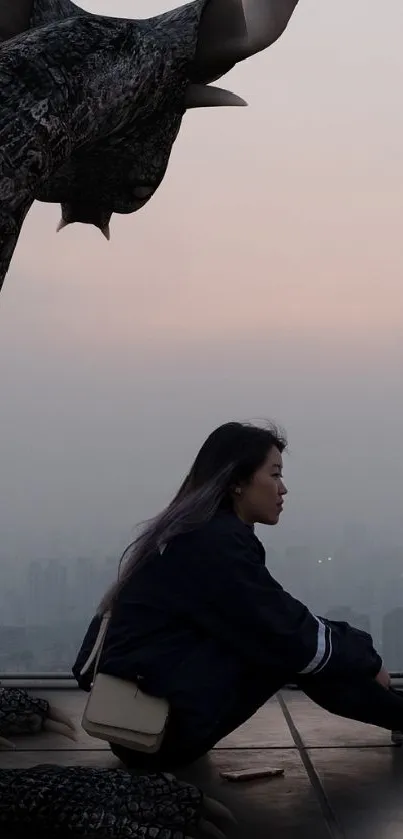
(99,643)
(95,654)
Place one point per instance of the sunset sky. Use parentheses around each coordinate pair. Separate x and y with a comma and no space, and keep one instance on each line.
(264,279)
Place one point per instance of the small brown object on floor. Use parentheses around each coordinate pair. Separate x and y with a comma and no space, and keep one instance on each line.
(251,774)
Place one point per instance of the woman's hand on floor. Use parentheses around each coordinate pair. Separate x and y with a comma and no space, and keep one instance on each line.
(383,678)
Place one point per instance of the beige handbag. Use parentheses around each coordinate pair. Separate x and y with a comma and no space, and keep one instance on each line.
(118,711)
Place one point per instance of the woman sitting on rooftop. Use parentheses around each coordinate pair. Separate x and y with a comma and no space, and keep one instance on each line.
(198,619)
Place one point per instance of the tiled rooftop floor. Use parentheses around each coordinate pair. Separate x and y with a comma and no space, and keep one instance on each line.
(342,779)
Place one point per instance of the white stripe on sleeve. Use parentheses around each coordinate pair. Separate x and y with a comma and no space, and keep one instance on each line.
(323,650)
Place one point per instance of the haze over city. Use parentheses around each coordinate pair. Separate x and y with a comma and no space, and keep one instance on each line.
(263,280)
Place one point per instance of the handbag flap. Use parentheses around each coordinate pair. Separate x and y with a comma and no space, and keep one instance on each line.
(116,703)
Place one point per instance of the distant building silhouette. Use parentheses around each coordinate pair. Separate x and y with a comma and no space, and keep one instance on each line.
(392,639)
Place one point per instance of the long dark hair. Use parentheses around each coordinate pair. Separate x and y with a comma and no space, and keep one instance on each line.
(230,456)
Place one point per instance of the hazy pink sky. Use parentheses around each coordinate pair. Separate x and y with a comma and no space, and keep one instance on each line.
(264,278)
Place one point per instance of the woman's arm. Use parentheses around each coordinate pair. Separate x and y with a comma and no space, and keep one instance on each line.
(227,592)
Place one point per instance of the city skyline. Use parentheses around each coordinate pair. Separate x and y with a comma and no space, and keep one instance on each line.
(62,596)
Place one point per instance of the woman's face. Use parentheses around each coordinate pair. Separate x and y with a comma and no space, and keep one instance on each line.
(261,500)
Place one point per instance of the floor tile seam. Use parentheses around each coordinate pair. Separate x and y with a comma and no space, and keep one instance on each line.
(332,823)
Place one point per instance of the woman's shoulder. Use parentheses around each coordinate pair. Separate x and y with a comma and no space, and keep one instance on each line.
(225,528)
(224,524)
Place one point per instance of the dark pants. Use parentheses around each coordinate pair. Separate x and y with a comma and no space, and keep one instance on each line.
(362,700)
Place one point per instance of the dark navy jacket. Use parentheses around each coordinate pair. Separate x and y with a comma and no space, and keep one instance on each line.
(200,620)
